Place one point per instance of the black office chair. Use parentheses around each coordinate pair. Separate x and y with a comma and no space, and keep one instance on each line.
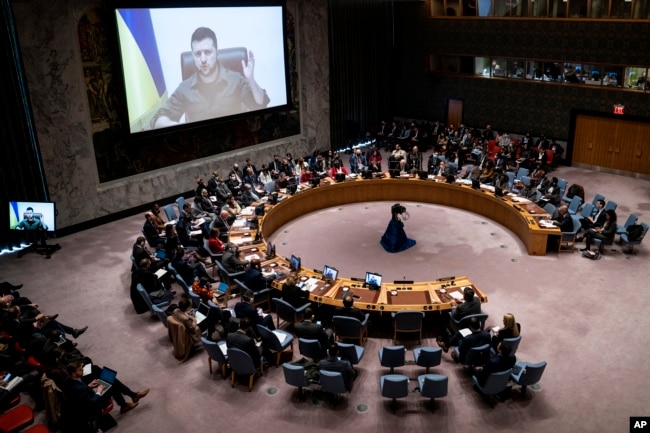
(229,57)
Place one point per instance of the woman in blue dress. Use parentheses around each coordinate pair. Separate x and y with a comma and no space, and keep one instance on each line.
(394,239)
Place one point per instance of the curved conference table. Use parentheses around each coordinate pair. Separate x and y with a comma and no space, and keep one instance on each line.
(521,218)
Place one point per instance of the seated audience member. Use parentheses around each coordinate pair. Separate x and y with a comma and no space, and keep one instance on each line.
(251,178)
(203,288)
(265,175)
(188,264)
(293,294)
(487,174)
(248,197)
(222,192)
(470,305)
(233,208)
(551,193)
(333,363)
(502,182)
(151,232)
(475,339)
(414,160)
(156,219)
(191,231)
(593,221)
(254,279)
(172,241)
(203,204)
(348,309)
(337,168)
(200,185)
(563,220)
(184,314)
(154,286)
(310,329)
(374,161)
(395,157)
(358,162)
(575,190)
(215,244)
(243,340)
(502,361)
(306,175)
(212,184)
(140,251)
(606,233)
(234,184)
(232,260)
(281,182)
(510,329)
(86,398)
(244,308)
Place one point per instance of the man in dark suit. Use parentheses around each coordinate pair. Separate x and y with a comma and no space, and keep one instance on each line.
(254,279)
(348,309)
(475,339)
(471,305)
(502,361)
(332,363)
(563,219)
(242,340)
(231,260)
(309,329)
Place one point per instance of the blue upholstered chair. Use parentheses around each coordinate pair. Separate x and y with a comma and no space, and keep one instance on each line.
(457,324)
(287,312)
(407,321)
(630,244)
(241,364)
(170,212)
(160,314)
(631,219)
(294,375)
(574,205)
(394,386)
(148,301)
(475,355)
(351,328)
(228,277)
(310,348)
(568,239)
(351,352)
(262,297)
(392,356)
(611,205)
(277,341)
(525,374)
(427,357)
(512,342)
(495,384)
(332,382)
(215,351)
(433,386)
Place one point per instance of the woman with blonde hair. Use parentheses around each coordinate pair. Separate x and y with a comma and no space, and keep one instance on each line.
(510,329)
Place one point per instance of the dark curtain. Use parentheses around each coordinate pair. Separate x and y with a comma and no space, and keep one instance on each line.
(21,174)
(361,44)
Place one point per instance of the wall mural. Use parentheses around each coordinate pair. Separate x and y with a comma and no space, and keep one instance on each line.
(119,155)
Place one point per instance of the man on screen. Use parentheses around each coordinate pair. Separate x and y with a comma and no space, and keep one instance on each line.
(212,91)
(31,222)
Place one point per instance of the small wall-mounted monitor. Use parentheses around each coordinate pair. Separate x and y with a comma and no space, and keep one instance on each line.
(27,215)
(294,263)
(373,280)
(330,273)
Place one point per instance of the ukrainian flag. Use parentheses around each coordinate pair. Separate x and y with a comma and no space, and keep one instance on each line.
(143,76)
(13,214)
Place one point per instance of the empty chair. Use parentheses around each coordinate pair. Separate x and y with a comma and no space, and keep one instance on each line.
(631,219)
(550,208)
(407,321)
(269,187)
(228,277)
(574,205)
(160,314)
(496,383)
(625,240)
(511,179)
(392,356)
(332,382)
(525,373)
(148,301)
(180,202)
(170,212)
(277,341)
(568,239)
(16,419)
(287,312)
(394,386)
(295,375)
(310,348)
(216,351)
(433,386)
(241,364)
(525,180)
(522,172)
(611,205)
(427,357)
(587,210)
(196,299)
(351,352)
(351,328)
(562,183)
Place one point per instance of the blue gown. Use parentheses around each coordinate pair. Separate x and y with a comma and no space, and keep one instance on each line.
(394,239)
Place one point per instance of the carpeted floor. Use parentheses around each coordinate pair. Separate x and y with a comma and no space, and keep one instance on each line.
(585,318)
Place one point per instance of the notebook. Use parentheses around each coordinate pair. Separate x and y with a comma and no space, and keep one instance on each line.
(106,378)
(201,313)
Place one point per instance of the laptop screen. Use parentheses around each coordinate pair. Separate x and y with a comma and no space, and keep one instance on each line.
(294,263)
(108,375)
(330,273)
(373,279)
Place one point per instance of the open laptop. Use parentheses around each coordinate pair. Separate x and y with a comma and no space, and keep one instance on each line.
(201,313)
(106,378)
